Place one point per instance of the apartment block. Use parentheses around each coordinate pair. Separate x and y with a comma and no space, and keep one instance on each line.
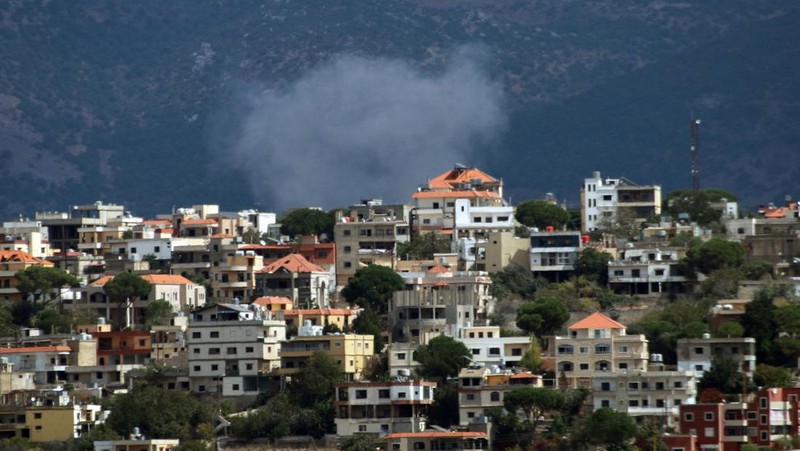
(481,389)
(697,354)
(648,271)
(371,241)
(351,352)
(603,199)
(382,408)
(553,254)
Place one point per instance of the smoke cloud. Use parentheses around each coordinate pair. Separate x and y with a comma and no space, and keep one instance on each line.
(359,128)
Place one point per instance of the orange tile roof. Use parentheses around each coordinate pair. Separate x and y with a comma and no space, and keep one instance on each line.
(157,222)
(21,257)
(438,269)
(269,300)
(441,283)
(319,311)
(597,321)
(35,349)
(525,375)
(437,434)
(199,222)
(453,177)
(294,263)
(776,213)
(152,279)
(454,194)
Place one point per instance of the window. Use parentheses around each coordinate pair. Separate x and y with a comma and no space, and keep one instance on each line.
(762,403)
(516,352)
(401,355)
(231,350)
(436,205)
(213,351)
(605,386)
(494,351)
(602,349)
(196,351)
(709,416)
(633,386)
(362,428)
(688,416)
(622,349)
(345,232)
(383,393)
(751,416)
(698,350)
(249,366)
(197,367)
(678,384)
(470,397)
(195,334)
(37,416)
(215,367)
(584,366)
(361,394)
(419,445)
(249,349)
(636,273)
(214,334)
(157,249)
(565,349)
(348,264)
(348,249)
(605,403)
(495,396)
(633,403)
(623,365)
(235,387)
(133,250)
(584,350)
(763,419)
(709,432)
(659,272)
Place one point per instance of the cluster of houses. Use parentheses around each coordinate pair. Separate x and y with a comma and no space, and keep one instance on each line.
(251,307)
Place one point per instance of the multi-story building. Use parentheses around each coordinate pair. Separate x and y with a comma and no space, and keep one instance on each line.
(342,318)
(180,292)
(603,199)
(62,227)
(435,201)
(372,241)
(763,419)
(645,394)
(382,408)
(309,246)
(648,271)
(440,440)
(12,262)
(305,283)
(232,348)
(697,354)
(37,422)
(553,254)
(168,341)
(482,389)
(351,352)
(27,236)
(502,249)
(235,277)
(488,348)
(473,225)
(597,343)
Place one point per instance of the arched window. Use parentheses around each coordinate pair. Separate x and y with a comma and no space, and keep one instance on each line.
(565,366)
(602,365)
(495,396)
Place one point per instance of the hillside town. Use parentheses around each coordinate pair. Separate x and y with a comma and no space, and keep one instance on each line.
(455,320)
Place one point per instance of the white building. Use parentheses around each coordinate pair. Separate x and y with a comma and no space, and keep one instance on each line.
(382,407)
(697,354)
(647,271)
(231,347)
(602,199)
(553,254)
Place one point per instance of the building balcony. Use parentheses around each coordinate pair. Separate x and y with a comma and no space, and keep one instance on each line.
(85,246)
(739,438)
(731,423)
(191,265)
(224,285)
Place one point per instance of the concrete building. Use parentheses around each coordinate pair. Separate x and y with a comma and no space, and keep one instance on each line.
(62,227)
(234,278)
(232,348)
(597,343)
(490,349)
(697,354)
(12,262)
(439,440)
(136,444)
(502,249)
(648,271)
(553,254)
(306,284)
(645,394)
(382,408)
(352,352)
(371,241)
(481,389)
(603,199)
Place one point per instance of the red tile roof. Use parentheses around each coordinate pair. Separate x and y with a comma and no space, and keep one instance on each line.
(294,263)
(157,222)
(525,375)
(319,311)
(452,178)
(597,321)
(22,257)
(438,269)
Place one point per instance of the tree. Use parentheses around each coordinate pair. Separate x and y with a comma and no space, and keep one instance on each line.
(772,376)
(730,329)
(7,326)
(514,282)
(594,265)
(314,382)
(723,375)
(541,214)
(373,287)
(716,253)
(697,203)
(532,358)
(444,410)
(722,283)
(759,320)
(44,283)
(158,312)
(159,413)
(534,403)
(251,236)
(542,317)
(611,429)
(360,442)
(368,323)
(308,221)
(423,246)
(51,321)
(441,358)
(685,239)
(624,223)
(123,289)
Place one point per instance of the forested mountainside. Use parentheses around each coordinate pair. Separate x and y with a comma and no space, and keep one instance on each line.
(236,102)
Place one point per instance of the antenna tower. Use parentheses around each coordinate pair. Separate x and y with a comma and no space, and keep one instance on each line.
(694,127)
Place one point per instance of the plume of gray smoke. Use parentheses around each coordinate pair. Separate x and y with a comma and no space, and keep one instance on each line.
(358,128)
